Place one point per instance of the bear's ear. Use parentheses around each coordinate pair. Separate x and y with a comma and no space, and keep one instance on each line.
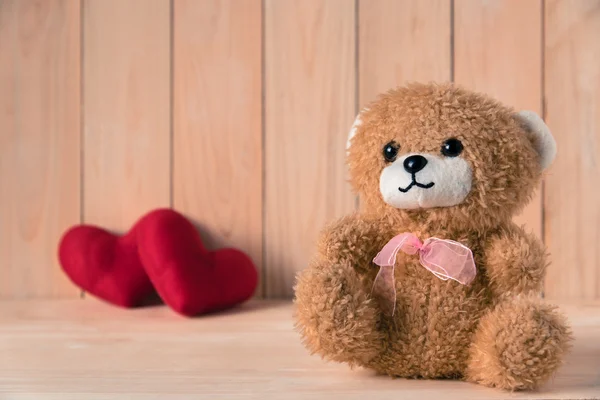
(540,136)
(354,128)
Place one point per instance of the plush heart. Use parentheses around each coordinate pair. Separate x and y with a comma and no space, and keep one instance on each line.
(105,265)
(188,277)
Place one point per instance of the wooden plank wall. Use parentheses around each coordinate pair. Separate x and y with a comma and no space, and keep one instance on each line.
(39,142)
(235,112)
(572,192)
(217,120)
(310,97)
(126,110)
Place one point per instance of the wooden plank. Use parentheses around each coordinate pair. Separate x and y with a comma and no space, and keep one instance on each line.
(9,259)
(572,195)
(400,42)
(72,350)
(39,140)
(126,110)
(217,176)
(310,105)
(498,50)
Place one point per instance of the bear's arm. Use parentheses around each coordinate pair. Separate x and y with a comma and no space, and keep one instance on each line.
(515,261)
(336,315)
(353,240)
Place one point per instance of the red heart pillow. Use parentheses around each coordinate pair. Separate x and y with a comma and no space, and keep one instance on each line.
(188,277)
(162,252)
(105,265)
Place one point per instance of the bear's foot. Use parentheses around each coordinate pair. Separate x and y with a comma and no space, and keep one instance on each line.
(518,345)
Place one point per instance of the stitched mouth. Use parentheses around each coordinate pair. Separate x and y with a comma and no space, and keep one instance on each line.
(417,184)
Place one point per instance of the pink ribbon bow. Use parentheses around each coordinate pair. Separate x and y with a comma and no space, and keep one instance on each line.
(446,259)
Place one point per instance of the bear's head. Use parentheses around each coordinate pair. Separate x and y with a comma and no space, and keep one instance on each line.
(440,154)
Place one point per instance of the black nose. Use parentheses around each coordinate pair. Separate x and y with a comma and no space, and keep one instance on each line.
(414,164)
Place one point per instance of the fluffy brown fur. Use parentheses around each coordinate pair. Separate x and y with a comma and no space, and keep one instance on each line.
(493,331)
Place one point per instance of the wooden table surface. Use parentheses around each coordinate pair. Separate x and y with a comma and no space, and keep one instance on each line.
(75,349)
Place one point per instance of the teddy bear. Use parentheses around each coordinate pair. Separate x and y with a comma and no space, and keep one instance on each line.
(431,278)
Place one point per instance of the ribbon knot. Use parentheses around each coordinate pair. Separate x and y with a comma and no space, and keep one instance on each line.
(446,259)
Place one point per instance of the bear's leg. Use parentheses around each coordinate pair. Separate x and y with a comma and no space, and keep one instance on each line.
(335,316)
(518,345)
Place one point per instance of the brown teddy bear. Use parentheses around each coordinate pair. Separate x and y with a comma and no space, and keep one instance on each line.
(432,279)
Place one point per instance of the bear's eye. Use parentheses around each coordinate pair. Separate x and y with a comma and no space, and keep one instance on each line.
(390,151)
(452,147)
